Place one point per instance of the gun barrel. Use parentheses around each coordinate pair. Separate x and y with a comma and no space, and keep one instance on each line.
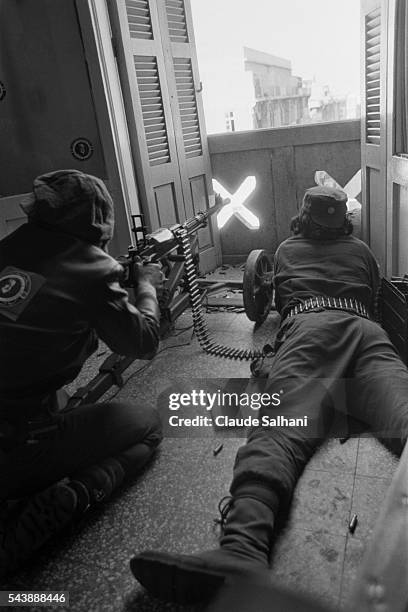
(200,219)
(163,240)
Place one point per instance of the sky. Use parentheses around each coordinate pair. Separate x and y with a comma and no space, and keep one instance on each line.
(321,38)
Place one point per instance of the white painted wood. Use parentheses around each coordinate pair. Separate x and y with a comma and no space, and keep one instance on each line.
(157,183)
(373,156)
(178,187)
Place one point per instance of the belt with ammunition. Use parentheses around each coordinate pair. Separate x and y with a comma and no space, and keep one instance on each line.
(329,303)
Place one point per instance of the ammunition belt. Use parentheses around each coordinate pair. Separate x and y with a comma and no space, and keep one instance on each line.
(329,303)
(205,339)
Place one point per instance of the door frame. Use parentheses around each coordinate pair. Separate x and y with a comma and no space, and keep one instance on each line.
(397,166)
(374,156)
(93,17)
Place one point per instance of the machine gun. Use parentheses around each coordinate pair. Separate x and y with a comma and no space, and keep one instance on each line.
(167,246)
(173,249)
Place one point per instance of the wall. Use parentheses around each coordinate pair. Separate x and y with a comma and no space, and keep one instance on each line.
(284,161)
(59,86)
(48,105)
(278,112)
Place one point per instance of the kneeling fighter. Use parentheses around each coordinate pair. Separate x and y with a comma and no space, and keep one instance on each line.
(326,282)
(59,291)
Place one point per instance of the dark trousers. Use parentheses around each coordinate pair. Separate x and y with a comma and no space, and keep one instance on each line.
(325,361)
(78,439)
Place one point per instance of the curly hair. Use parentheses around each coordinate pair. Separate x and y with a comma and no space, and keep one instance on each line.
(303,224)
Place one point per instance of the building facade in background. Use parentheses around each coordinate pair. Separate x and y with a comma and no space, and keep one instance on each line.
(282,98)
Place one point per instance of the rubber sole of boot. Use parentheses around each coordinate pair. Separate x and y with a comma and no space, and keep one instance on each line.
(43,515)
(171,579)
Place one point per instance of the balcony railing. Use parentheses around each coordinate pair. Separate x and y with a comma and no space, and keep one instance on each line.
(283,161)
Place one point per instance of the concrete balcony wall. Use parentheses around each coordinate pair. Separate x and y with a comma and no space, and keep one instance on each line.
(284,161)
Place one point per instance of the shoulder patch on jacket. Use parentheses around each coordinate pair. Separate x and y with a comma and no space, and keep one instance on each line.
(17,289)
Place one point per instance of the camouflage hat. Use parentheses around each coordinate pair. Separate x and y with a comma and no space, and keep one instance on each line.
(327,206)
(72,202)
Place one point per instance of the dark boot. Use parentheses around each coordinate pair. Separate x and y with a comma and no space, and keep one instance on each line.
(97,483)
(30,523)
(245,547)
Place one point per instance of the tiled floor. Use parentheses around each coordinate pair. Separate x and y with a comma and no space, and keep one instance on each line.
(172,505)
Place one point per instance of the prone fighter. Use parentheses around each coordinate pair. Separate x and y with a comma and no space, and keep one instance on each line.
(326,282)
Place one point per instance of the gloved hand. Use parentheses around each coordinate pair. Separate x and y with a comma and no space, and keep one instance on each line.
(152,273)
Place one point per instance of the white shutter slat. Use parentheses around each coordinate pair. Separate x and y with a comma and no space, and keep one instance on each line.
(176,21)
(154,122)
(373,32)
(139,19)
(372,75)
(187,107)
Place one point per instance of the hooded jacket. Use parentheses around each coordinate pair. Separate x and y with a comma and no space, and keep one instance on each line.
(59,289)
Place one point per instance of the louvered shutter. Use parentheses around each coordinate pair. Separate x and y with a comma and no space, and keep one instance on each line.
(139,18)
(176,20)
(151,100)
(372,75)
(374,17)
(159,75)
(138,42)
(187,105)
(188,117)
